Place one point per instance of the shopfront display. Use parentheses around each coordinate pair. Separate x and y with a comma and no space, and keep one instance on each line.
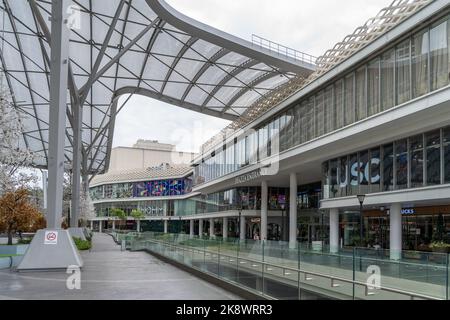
(421,226)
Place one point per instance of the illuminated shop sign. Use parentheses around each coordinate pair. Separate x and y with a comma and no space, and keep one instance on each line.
(408,211)
(361,171)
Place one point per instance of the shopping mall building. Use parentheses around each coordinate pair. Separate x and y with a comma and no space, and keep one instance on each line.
(373,123)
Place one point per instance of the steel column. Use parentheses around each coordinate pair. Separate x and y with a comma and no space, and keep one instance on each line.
(293,211)
(58,101)
(264,209)
(76,164)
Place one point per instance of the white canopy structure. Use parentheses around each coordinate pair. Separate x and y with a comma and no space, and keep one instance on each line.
(121,47)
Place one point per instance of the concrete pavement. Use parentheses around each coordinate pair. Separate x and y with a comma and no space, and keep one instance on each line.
(110,273)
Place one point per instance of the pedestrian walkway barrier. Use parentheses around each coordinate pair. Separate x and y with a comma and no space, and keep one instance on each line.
(277,271)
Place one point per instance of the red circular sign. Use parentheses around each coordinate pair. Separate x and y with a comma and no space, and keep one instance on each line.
(51,236)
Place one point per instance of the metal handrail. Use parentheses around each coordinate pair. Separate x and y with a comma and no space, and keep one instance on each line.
(412,295)
(282,50)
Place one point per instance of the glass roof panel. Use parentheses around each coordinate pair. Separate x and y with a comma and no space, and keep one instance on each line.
(185,65)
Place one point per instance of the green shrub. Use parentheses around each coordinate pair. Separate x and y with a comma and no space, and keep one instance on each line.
(25,241)
(82,244)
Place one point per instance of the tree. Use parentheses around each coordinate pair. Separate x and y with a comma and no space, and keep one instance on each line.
(87,209)
(17,214)
(14,156)
(137,214)
(120,214)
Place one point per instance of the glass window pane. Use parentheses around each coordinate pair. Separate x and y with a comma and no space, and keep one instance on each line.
(361,101)
(339,104)
(326,180)
(420,64)
(374,173)
(373,71)
(320,114)
(416,145)
(303,122)
(310,119)
(439,55)
(329,110)
(333,178)
(388,167)
(290,128)
(387,80)
(349,101)
(343,177)
(283,133)
(447,154)
(401,153)
(354,175)
(364,172)
(433,140)
(403,72)
(297,125)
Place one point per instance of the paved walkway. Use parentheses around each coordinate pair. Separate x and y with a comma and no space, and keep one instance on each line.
(109,273)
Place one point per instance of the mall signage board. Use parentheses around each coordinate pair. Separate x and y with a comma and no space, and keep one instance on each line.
(248,177)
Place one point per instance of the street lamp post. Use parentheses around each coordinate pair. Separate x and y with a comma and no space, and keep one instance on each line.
(361,199)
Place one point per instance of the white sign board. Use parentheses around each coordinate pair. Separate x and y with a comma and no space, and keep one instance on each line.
(51,237)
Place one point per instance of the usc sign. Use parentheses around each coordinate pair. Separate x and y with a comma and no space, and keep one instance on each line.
(360,172)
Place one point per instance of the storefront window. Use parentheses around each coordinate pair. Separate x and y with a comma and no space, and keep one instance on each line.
(447,154)
(408,163)
(420,64)
(433,140)
(403,73)
(343,177)
(374,170)
(333,178)
(388,167)
(439,55)
(354,175)
(401,158)
(416,144)
(326,180)
(364,172)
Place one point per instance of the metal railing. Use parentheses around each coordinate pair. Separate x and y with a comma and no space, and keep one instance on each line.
(297,268)
(283,50)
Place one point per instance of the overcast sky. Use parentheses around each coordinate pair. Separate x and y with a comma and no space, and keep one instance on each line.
(308,26)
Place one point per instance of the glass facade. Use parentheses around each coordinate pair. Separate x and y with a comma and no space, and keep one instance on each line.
(410,69)
(148,189)
(414,162)
(249,198)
